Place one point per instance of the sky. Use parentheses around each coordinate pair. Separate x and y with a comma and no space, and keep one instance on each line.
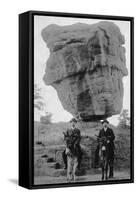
(41,54)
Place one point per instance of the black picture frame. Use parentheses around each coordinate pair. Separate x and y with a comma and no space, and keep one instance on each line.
(26,113)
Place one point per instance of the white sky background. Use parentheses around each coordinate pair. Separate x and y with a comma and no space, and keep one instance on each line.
(41,54)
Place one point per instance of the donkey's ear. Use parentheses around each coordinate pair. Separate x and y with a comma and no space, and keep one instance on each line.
(64,133)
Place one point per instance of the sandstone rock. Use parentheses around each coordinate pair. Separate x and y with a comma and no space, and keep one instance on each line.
(86,67)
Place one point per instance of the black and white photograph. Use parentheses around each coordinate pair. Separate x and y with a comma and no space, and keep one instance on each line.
(68,87)
(82,100)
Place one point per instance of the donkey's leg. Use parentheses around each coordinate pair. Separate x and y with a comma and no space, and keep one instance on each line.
(111,163)
(68,166)
(106,169)
(75,168)
(69,161)
(102,170)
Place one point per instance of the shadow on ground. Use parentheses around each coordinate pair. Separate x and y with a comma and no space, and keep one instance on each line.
(14,181)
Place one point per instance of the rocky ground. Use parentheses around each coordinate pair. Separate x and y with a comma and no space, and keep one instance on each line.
(85,178)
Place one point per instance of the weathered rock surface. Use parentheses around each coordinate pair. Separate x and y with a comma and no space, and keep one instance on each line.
(86,67)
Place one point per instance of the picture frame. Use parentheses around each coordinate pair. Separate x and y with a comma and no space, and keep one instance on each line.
(29,47)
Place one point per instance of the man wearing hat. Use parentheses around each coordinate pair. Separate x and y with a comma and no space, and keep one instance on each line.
(75,133)
(109,134)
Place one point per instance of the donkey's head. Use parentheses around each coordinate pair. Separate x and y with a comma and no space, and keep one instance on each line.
(69,141)
(103,144)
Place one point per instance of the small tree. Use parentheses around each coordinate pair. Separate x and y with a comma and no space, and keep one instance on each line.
(38,105)
(38,100)
(124,119)
(46,119)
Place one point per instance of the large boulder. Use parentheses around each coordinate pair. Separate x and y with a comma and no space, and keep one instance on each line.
(86,66)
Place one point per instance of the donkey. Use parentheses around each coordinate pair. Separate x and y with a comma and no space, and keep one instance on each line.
(72,157)
(104,156)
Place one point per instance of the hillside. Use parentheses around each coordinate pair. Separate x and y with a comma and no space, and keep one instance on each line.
(51,134)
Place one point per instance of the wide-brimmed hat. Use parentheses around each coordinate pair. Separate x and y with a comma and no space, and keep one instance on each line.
(105,121)
(73,120)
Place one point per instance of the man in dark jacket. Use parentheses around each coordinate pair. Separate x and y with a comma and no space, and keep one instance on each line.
(109,135)
(76,136)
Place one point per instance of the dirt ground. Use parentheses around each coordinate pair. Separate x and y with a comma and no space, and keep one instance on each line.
(39,180)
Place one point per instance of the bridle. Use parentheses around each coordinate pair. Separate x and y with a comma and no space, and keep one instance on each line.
(70,144)
(103,146)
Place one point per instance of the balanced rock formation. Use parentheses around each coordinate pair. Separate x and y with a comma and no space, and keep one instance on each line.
(86,66)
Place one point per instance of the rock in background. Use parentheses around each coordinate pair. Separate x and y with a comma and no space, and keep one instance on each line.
(86,67)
